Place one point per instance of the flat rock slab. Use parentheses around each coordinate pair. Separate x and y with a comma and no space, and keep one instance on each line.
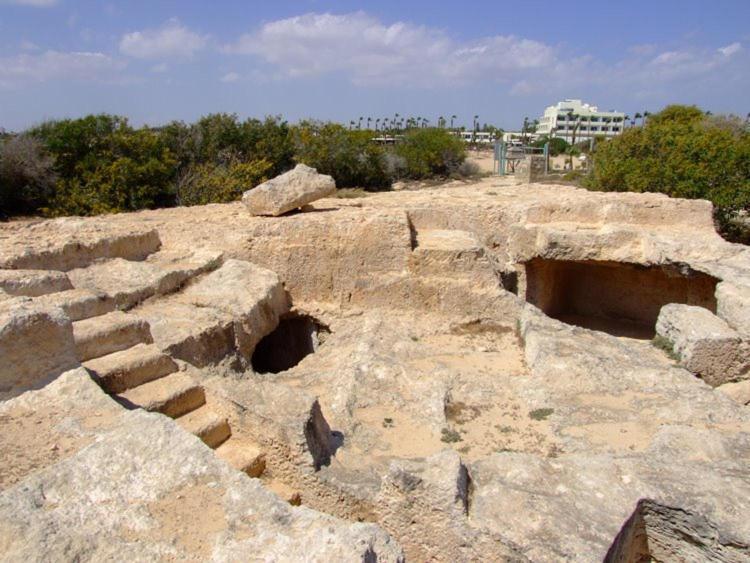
(33,283)
(117,500)
(288,191)
(130,282)
(40,428)
(71,242)
(227,310)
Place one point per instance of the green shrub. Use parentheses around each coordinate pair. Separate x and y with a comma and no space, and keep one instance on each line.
(221,183)
(217,134)
(349,156)
(125,170)
(27,177)
(557,145)
(541,414)
(430,152)
(682,152)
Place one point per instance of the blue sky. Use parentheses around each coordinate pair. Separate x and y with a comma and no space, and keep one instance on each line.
(157,61)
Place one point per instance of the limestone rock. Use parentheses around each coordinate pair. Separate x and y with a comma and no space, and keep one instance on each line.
(39,428)
(77,243)
(284,415)
(290,190)
(79,304)
(117,500)
(705,344)
(738,390)
(733,305)
(33,283)
(129,282)
(604,491)
(36,345)
(251,294)
(225,312)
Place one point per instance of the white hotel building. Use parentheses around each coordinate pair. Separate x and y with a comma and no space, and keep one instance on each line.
(562,119)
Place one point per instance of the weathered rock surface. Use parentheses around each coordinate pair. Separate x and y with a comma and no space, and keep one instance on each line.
(573,507)
(40,428)
(705,344)
(288,191)
(226,312)
(115,499)
(77,243)
(733,305)
(129,282)
(36,345)
(79,304)
(436,403)
(739,391)
(33,283)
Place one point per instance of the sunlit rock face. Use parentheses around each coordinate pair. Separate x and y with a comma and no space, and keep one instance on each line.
(482,371)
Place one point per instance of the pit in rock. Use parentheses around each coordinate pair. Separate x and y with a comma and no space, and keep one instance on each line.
(295,338)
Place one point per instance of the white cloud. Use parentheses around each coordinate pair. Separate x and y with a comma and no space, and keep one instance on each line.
(171,40)
(34,3)
(369,51)
(230,77)
(731,49)
(50,65)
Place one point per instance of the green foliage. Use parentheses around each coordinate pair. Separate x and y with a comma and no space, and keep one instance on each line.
(349,156)
(430,152)
(683,153)
(213,136)
(26,174)
(449,436)
(556,145)
(100,164)
(222,183)
(76,144)
(130,170)
(541,414)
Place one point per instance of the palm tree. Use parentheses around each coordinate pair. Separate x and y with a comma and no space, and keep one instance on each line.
(351,125)
(624,121)
(377,124)
(637,116)
(586,120)
(441,122)
(567,129)
(454,117)
(369,119)
(645,116)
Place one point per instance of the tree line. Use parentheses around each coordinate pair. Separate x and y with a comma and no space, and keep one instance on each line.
(102,164)
(684,152)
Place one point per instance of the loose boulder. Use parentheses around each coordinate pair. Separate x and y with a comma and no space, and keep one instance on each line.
(705,344)
(288,191)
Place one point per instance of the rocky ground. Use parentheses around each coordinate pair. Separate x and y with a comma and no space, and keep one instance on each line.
(459,372)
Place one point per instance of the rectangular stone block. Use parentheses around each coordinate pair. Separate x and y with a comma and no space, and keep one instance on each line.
(705,344)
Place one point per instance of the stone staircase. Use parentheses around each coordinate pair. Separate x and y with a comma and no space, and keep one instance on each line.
(96,290)
(117,349)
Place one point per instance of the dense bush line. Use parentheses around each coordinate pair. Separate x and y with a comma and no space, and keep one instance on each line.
(683,152)
(101,164)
